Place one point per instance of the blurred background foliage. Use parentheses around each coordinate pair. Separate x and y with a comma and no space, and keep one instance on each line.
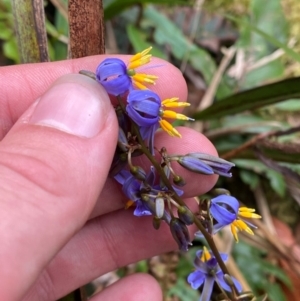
(241,61)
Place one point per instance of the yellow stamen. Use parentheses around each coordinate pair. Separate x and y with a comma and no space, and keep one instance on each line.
(140,54)
(140,62)
(144,78)
(174,103)
(248,213)
(128,204)
(174,115)
(205,255)
(139,85)
(166,126)
(234,232)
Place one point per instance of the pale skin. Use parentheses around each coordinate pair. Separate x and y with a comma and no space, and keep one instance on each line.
(62,222)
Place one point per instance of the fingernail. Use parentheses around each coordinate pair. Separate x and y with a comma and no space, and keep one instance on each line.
(74,104)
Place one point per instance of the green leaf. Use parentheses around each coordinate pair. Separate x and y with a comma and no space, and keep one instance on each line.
(277,181)
(275,292)
(183,291)
(139,43)
(249,178)
(252,99)
(289,51)
(117,6)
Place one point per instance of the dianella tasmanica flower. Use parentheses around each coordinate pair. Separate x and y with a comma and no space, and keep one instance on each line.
(117,78)
(226,210)
(149,112)
(207,273)
(204,164)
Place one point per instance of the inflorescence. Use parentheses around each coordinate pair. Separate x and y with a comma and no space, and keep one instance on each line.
(157,192)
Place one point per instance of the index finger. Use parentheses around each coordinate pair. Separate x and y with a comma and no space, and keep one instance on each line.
(22,84)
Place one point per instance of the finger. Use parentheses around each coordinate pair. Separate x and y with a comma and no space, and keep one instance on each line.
(52,171)
(104,244)
(134,288)
(196,184)
(21,85)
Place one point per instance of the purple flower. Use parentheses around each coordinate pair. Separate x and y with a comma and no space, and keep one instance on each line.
(147,110)
(207,273)
(117,78)
(226,210)
(112,75)
(218,165)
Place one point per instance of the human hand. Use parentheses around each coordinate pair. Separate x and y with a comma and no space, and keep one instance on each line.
(62,222)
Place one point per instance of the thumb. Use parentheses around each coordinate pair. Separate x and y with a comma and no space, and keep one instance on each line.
(53,165)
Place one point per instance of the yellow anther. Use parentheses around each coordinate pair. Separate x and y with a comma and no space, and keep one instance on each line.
(248,213)
(234,232)
(145,78)
(205,255)
(174,115)
(139,85)
(174,103)
(141,54)
(166,126)
(128,204)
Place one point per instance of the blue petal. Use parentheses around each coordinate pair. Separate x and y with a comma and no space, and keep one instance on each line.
(140,95)
(221,214)
(225,286)
(122,176)
(139,119)
(196,279)
(111,74)
(131,188)
(224,209)
(141,209)
(207,289)
(146,106)
(227,200)
(195,165)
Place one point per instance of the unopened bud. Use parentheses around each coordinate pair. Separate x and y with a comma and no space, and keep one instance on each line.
(218,165)
(185,215)
(122,140)
(159,207)
(180,233)
(178,180)
(156,222)
(195,165)
(138,172)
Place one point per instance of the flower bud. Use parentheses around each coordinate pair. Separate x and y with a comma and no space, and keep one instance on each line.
(180,233)
(122,140)
(178,180)
(194,164)
(218,165)
(219,191)
(138,172)
(185,215)
(156,222)
(159,207)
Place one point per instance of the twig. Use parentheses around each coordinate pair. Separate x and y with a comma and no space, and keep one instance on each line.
(264,208)
(211,91)
(247,144)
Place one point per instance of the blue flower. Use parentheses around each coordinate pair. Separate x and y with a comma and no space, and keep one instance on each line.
(147,110)
(117,78)
(226,210)
(132,189)
(143,194)
(207,273)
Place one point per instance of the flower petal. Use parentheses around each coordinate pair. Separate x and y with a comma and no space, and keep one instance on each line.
(196,279)
(207,289)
